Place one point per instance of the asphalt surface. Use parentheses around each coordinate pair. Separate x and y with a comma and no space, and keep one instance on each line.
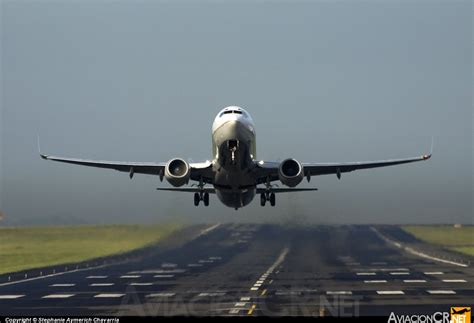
(252,270)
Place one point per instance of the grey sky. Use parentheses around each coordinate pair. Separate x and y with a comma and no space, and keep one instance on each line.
(323,80)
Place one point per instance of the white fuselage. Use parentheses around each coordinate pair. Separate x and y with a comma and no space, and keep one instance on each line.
(234,153)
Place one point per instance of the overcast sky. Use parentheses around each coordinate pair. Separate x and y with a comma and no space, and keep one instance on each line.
(324,81)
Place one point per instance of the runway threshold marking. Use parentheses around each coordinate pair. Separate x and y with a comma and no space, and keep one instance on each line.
(11,296)
(58,296)
(252,308)
(441,292)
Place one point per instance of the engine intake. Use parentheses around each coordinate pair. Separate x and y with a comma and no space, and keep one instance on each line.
(290,172)
(177,172)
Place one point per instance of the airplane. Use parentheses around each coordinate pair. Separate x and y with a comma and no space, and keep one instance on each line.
(234,172)
(461,311)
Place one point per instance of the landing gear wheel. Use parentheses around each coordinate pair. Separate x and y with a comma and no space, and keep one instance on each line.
(263,199)
(272,199)
(206,199)
(197,198)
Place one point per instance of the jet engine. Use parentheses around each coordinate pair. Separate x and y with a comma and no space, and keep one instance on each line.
(290,172)
(177,172)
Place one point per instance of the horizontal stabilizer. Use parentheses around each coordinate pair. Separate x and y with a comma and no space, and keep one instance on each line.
(187,189)
(285,190)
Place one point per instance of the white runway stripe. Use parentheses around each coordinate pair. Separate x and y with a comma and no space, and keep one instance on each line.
(211,294)
(161,295)
(374,281)
(245,299)
(442,292)
(433,273)
(454,281)
(130,276)
(62,285)
(400,273)
(141,284)
(96,277)
(339,292)
(365,274)
(58,296)
(11,296)
(109,295)
(254,288)
(163,276)
(101,284)
(390,292)
(414,281)
(240,304)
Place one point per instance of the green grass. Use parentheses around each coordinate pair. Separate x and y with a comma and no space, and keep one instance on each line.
(457,239)
(34,247)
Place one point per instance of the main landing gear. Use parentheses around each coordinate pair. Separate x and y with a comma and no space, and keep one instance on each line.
(264,197)
(202,196)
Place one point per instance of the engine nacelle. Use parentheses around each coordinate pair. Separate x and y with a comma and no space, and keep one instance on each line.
(290,172)
(177,172)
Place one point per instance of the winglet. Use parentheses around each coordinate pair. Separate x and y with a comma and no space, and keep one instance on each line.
(425,157)
(39,150)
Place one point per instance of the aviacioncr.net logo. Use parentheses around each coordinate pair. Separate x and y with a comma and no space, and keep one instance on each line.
(437,317)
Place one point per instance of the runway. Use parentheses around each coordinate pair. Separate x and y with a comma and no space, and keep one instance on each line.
(252,270)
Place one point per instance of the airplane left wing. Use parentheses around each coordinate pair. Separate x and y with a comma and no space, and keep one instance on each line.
(268,171)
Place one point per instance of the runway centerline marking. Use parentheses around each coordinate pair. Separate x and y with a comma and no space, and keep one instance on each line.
(375,281)
(11,296)
(96,277)
(454,281)
(339,292)
(58,296)
(141,284)
(400,273)
(130,276)
(433,273)
(62,285)
(101,284)
(366,274)
(163,276)
(390,292)
(108,295)
(414,281)
(441,292)
(161,295)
